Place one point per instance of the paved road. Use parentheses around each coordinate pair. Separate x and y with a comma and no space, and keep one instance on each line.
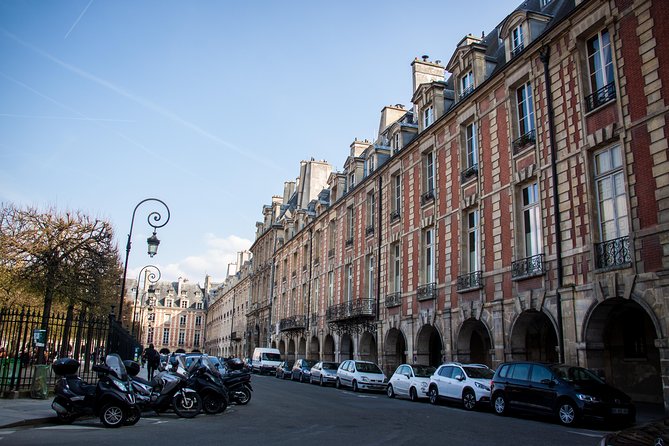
(289,413)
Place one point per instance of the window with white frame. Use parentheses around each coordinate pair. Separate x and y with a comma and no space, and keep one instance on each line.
(467,84)
(149,336)
(428,116)
(184,303)
(182,319)
(330,288)
(166,336)
(168,302)
(349,224)
(370,276)
(396,268)
(349,283)
(152,317)
(305,295)
(517,40)
(370,164)
(371,209)
(473,257)
(471,146)
(351,180)
(182,337)
(525,109)
(196,339)
(611,195)
(531,220)
(600,69)
(167,318)
(331,238)
(397,194)
(428,256)
(317,296)
(198,321)
(199,305)
(396,143)
(428,171)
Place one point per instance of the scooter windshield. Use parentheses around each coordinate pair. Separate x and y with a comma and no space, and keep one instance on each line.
(116,366)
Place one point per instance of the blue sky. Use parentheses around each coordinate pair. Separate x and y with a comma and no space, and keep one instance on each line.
(207,105)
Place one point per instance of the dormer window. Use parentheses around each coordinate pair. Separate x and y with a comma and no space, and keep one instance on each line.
(428,116)
(351,181)
(517,41)
(396,143)
(466,84)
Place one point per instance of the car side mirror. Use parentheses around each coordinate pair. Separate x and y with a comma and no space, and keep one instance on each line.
(459,377)
(407,375)
(548,382)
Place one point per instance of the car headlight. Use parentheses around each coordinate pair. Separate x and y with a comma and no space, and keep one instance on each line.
(481,386)
(587,398)
(365,379)
(423,385)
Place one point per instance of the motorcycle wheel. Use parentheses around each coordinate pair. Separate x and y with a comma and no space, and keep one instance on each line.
(132,417)
(112,415)
(187,406)
(213,404)
(243,396)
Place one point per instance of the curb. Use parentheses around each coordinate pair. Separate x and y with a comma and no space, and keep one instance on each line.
(30,422)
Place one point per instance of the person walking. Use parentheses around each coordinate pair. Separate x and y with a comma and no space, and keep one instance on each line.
(152,361)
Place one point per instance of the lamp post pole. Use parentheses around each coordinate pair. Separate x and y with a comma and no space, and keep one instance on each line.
(154,219)
(152,276)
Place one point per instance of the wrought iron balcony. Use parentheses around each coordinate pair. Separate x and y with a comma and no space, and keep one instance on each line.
(426,197)
(394,216)
(470,281)
(520,47)
(369,230)
(600,97)
(393,300)
(349,242)
(315,318)
(528,267)
(614,253)
(293,323)
(235,336)
(466,92)
(469,172)
(354,309)
(527,139)
(427,291)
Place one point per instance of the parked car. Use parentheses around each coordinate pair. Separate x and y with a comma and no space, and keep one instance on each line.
(410,380)
(360,375)
(324,372)
(570,393)
(302,370)
(468,383)
(284,369)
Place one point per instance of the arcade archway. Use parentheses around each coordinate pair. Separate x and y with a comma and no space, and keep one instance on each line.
(429,346)
(534,338)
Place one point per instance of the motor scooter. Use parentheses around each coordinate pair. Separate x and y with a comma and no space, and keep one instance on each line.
(237,380)
(205,380)
(112,398)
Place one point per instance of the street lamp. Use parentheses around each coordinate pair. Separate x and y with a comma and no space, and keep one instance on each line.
(154,219)
(150,307)
(152,276)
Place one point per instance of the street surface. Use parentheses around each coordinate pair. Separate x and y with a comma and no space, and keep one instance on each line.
(289,413)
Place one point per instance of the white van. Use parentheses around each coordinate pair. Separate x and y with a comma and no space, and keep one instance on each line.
(265,360)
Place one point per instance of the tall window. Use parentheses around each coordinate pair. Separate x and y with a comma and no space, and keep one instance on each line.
(149,336)
(525,109)
(396,268)
(466,84)
(531,220)
(331,238)
(600,60)
(196,339)
(428,255)
(166,336)
(182,319)
(349,283)
(397,194)
(611,196)
(471,146)
(182,337)
(198,321)
(305,298)
(517,43)
(184,303)
(396,143)
(167,319)
(428,160)
(370,277)
(371,209)
(317,295)
(428,116)
(330,288)
(349,223)
(473,241)
(351,180)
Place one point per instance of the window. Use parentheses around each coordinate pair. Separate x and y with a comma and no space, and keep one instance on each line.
(167,318)
(317,294)
(199,306)
(540,373)
(517,43)
(182,337)
(349,226)
(600,69)
(166,336)
(428,116)
(520,371)
(168,302)
(370,277)
(149,336)
(396,268)
(471,146)
(611,196)
(428,178)
(330,288)
(331,238)
(196,339)
(531,220)
(198,321)
(396,144)
(305,295)
(184,303)
(349,283)
(370,164)
(428,255)
(473,241)
(182,319)
(466,84)
(525,110)
(351,180)
(371,211)
(397,195)
(152,317)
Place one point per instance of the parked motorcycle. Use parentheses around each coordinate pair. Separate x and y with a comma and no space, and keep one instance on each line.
(112,398)
(168,390)
(205,380)
(237,380)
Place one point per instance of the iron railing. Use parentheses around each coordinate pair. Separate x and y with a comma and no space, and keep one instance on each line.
(349,242)
(600,97)
(394,215)
(369,230)
(350,310)
(293,323)
(613,253)
(520,47)
(528,267)
(467,91)
(427,291)
(469,172)
(426,197)
(527,139)
(470,281)
(393,300)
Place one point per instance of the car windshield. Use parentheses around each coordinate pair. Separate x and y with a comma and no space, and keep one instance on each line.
(575,374)
(423,371)
(330,366)
(367,367)
(479,372)
(307,363)
(271,357)
(289,364)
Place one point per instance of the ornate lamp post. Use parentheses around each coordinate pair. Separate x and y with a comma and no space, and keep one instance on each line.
(150,307)
(154,219)
(152,276)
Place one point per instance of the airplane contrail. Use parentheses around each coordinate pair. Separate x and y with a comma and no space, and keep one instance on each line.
(76,22)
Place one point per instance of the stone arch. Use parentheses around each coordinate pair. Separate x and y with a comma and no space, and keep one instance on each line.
(619,339)
(328,348)
(314,351)
(394,351)
(474,343)
(282,348)
(290,354)
(367,348)
(274,346)
(345,347)
(429,346)
(534,337)
(302,348)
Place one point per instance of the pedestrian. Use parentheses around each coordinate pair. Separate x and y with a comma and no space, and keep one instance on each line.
(152,361)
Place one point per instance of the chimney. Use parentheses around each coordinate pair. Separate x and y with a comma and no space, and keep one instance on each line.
(390,115)
(425,72)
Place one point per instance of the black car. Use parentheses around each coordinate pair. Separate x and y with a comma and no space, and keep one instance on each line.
(285,369)
(302,370)
(568,392)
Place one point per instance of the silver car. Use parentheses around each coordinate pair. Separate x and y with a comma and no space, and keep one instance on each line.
(360,375)
(324,372)
(410,380)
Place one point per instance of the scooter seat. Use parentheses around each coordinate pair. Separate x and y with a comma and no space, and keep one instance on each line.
(143,381)
(80,387)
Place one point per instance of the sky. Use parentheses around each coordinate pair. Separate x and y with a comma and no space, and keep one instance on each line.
(208,106)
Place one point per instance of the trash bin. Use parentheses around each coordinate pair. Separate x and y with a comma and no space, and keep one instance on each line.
(7,371)
(39,389)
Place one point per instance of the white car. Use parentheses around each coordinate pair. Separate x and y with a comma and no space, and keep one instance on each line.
(360,375)
(468,383)
(410,380)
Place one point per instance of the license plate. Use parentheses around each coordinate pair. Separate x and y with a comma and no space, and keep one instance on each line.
(619,411)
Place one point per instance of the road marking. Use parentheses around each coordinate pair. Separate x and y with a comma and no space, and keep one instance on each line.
(68,428)
(585,434)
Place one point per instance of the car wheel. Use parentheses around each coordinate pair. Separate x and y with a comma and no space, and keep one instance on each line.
(337,384)
(390,392)
(567,413)
(355,386)
(320,381)
(433,395)
(302,377)
(413,395)
(469,399)
(500,404)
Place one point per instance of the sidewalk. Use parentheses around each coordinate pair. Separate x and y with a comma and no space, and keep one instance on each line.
(28,411)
